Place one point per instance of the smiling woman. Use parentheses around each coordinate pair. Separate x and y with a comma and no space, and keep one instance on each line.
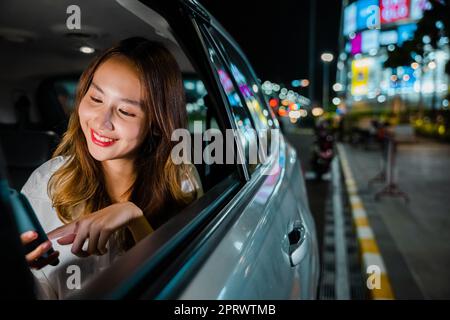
(105,102)
(111,181)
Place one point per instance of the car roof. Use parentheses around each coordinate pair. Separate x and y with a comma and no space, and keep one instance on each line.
(34,38)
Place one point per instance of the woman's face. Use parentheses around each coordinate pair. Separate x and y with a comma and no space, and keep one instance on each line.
(111,113)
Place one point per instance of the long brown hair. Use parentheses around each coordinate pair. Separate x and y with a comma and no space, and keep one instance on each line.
(78,187)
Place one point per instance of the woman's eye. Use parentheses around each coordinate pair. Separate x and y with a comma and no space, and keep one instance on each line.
(96,100)
(126,113)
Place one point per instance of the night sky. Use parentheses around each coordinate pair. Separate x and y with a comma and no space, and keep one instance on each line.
(275,36)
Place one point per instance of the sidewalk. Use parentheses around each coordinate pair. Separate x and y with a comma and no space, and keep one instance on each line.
(414,238)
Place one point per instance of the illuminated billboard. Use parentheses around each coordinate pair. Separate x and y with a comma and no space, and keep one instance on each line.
(407,76)
(388,37)
(349,19)
(370,40)
(394,10)
(406,32)
(417,8)
(360,76)
(368,14)
(356,43)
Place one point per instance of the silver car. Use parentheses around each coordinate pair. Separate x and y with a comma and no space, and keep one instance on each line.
(251,235)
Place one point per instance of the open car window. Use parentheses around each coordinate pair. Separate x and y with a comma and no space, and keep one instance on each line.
(46,73)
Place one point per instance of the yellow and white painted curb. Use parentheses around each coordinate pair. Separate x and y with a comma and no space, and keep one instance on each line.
(378,282)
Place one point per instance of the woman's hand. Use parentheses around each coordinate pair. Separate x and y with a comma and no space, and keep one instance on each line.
(97,228)
(33,256)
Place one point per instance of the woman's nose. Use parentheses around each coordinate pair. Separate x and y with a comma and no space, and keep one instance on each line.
(105,119)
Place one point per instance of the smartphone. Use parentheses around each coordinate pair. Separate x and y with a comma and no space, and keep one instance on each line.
(26,220)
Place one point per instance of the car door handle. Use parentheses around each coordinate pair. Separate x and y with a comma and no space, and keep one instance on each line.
(297,243)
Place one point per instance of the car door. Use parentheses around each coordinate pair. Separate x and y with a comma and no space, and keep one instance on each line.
(308,267)
(269,251)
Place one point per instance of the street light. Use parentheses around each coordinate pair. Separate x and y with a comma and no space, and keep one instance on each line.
(432,65)
(337,87)
(300,83)
(326,58)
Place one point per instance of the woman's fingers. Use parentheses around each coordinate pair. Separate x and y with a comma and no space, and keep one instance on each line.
(77,247)
(38,264)
(67,239)
(63,231)
(28,237)
(93,240)
(102,241)
(34,258)
(39,251)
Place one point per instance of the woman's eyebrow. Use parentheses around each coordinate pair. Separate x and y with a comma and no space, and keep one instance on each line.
(127,100)
(96,87)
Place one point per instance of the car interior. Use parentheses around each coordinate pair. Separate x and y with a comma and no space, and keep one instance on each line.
(42,62)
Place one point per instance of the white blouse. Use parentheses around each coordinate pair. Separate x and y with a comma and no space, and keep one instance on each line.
(57,282)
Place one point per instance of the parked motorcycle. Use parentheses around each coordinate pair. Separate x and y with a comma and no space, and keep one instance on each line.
(323,150)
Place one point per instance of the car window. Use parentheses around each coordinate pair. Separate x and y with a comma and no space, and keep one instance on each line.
(248,85)
(246,129)
(197,101)
(203,118)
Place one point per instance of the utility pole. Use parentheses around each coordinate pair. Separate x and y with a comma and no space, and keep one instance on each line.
(326,58)
(312,50)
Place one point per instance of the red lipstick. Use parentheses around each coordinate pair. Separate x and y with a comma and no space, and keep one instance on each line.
(104,142)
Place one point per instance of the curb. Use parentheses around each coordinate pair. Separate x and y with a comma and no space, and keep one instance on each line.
(369,251)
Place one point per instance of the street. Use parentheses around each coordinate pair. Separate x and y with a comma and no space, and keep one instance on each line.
(411,235)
